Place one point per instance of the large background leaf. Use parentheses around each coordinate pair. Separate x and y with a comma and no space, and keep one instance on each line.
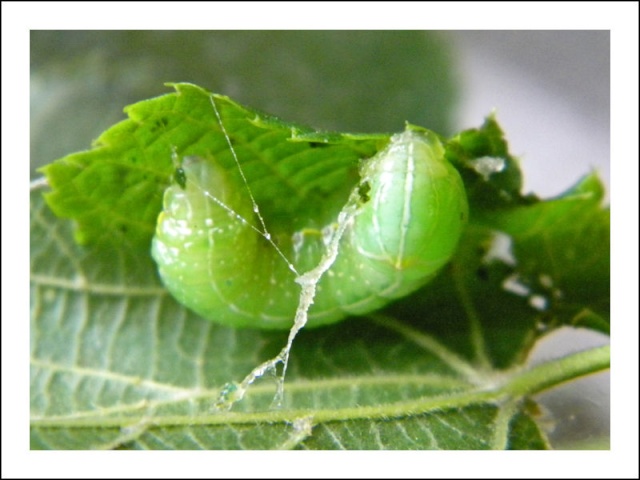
(116,363)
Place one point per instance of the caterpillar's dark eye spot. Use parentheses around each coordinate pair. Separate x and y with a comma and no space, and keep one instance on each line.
(180,177)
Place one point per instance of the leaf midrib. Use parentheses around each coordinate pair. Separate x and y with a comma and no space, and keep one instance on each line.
(517,386)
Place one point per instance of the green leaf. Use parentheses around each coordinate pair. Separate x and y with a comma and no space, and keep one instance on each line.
(116,363)
(488,186)
(562,249)
(114,192)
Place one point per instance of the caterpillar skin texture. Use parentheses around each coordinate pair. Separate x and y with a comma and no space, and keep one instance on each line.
(411,213)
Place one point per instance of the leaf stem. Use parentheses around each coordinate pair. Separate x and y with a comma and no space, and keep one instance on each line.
(515,386)
(556,372)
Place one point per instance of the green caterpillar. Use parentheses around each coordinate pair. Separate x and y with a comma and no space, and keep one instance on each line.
(411,211)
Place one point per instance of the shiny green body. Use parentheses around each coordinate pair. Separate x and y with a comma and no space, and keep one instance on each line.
(412,208)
